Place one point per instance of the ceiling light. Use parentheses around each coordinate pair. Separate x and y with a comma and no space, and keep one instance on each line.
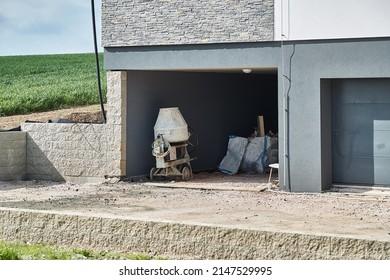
(247,70)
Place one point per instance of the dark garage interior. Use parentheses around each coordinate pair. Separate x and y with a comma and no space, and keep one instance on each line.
(214,104)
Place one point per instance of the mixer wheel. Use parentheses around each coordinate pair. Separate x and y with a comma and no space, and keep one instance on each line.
(186,172)
(152,172)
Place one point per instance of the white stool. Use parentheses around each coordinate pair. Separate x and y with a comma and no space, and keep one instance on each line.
(273,165)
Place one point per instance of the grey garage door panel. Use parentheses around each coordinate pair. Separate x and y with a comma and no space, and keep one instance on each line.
(361,143)
(353,170)
(361,131)
(361,170)
(361,90)
(353,143)
(359,116)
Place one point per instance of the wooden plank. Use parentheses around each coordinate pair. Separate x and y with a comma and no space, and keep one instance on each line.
(260,124)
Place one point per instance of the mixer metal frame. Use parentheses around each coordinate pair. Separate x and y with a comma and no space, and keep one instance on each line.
(173,166)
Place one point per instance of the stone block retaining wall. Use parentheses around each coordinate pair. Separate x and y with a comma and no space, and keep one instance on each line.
(12,155)
(180,240)
(70,151)
(172,22)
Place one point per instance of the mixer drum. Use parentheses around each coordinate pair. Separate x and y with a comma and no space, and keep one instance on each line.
(171,124)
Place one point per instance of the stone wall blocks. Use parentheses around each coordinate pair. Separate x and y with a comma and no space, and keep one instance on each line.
(92,224)
(108,241)
(314,245)
(73,136)
(54,145)
(121,26)
(39,167)
(34,152)
(347,249)
(11,169)
(13,136)
(141,229)
(40,221)
(117,227)
(38,176)
(65,223)
(191,241)
(282,241)
(12,145)
(84,238)
(11,233)
(386,251)
(85,171)
(13,155)
(375,251)
(57,155)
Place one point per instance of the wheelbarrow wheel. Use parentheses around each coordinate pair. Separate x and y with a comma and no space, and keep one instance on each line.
(152,172)
(186,172)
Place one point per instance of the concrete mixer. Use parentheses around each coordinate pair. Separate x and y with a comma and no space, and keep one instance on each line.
(170,146)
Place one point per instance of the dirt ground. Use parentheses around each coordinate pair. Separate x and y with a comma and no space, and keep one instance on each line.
(239,201)
(85,113)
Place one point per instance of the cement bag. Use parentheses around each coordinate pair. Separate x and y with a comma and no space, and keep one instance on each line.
(273,142)
(255,156)
(272,157)
(235,151)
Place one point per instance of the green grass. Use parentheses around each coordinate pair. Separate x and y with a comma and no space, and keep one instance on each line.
(40,83)
(19,251)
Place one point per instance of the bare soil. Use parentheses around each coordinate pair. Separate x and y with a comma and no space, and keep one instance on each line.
(90,113)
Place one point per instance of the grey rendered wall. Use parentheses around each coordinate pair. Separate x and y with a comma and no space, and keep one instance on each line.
(215,105)
(309,127)
(12,155)
(306,63)
(156,22)
(209,57)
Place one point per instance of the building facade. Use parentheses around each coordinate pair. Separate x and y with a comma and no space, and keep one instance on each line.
(320,75)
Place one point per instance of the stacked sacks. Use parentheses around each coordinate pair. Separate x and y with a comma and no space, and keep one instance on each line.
(252,155)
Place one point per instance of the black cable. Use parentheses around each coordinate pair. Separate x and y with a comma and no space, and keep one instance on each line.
(97,61)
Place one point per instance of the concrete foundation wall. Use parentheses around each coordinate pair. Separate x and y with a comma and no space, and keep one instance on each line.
(180,240)
(12,155)
(175,22)
(81,152)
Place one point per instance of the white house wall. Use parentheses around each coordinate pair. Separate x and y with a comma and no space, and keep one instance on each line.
(331,19)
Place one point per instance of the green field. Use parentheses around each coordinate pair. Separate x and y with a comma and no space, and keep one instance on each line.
(20,251)
(40,83)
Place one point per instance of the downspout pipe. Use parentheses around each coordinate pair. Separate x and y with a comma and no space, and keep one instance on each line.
(97,61)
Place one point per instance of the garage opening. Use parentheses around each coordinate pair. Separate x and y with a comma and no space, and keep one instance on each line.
(360,122)
(214,104)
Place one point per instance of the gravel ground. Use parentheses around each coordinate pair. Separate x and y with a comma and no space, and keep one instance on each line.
(241,201)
